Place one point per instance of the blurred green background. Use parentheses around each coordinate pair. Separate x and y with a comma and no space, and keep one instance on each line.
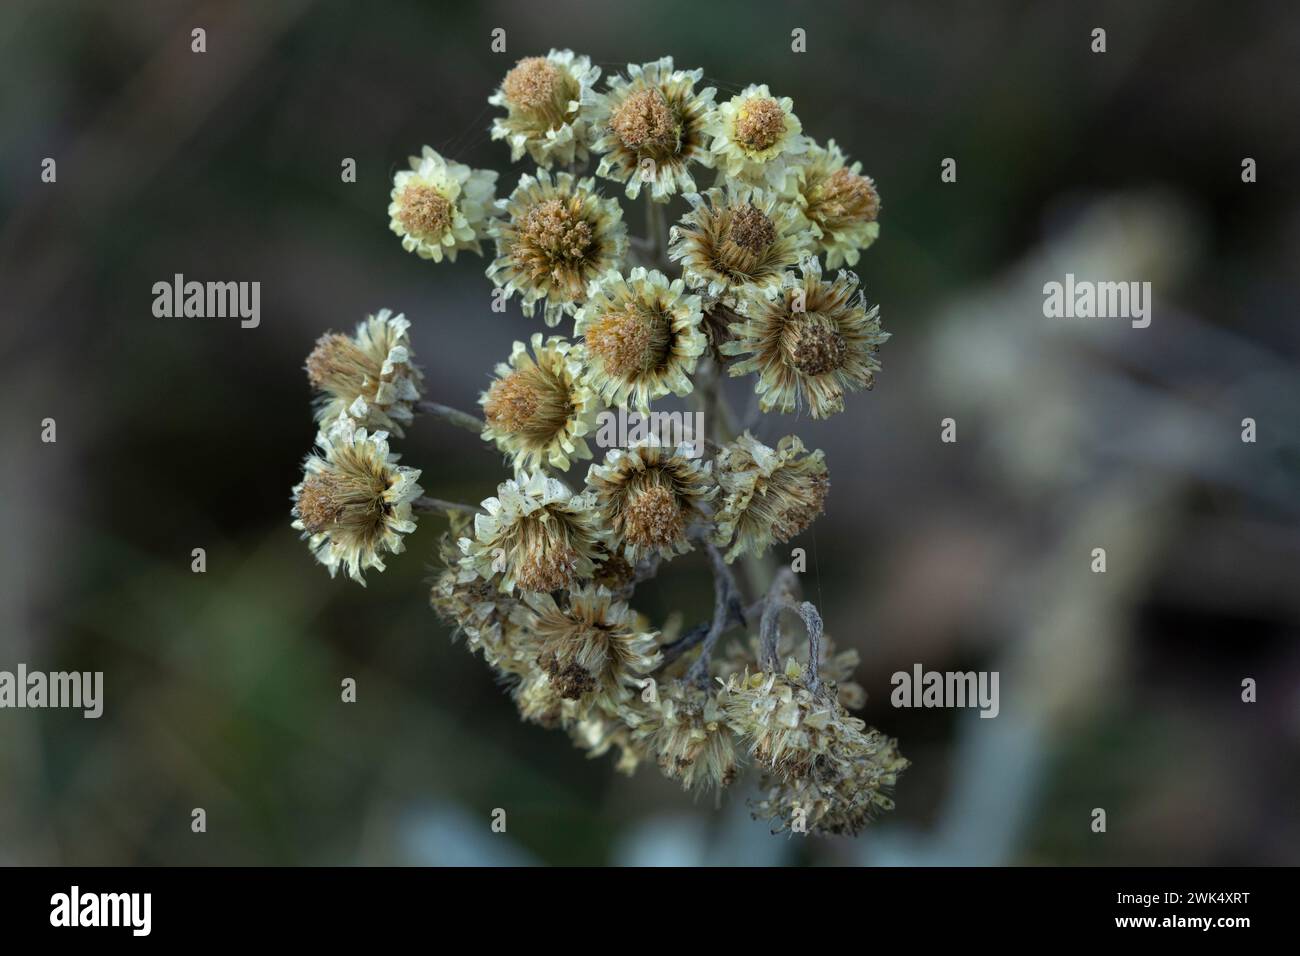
(1119,691)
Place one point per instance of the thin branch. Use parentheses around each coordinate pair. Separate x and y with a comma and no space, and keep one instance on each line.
(655,231)
(726,604)
(438,505)
(452,416)
(813,622)
(781,595)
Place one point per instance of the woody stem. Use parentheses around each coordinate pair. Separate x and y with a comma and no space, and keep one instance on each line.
(452,416)
(439,506)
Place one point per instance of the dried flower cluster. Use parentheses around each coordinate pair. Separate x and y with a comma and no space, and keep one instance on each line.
(540,577)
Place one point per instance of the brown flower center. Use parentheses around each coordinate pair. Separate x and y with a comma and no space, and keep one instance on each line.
(643,121)
(570,679)
(760,124)
(338,366)
(652,516)
(792,502)
(750,228)
(425,213)
(748,235)
(546,559)
(536,85)
(557,229)
(331,501)
(529,402)
(845,196)
(814,347)
(632,341)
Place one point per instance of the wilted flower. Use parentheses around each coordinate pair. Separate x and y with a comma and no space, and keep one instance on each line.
(788,725)
(537,535)
(354,502)
(648,496)
(740,236)
(477,609)
(839,205)
(770,495)
(589,645)
(650,126)
(543,97)
(538,407)
(441,207)
(841,793)
(809,340)
(598,732)
(836,666)
(368,376)
(540,703)
(642,337)
(559,236)
(689,738)
(756,137)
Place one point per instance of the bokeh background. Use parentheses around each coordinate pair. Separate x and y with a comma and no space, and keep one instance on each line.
(1119,691)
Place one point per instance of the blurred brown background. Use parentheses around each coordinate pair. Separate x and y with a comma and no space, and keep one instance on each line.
(1119,691)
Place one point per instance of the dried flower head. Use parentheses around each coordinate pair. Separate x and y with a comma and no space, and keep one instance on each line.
(589,645)
(558,237)
(368,376)
(540,703)
(354,502)
(836,666)
(544,116)
(641,336)
(689,738)
(735,237)
(598,732)
(538,408)
(441,207)
(809,340)
(477,609)
(770,495)
(841,793)
(838,204)
(648,496)
(650,128)
(536,535)
(789,726)
(756,137)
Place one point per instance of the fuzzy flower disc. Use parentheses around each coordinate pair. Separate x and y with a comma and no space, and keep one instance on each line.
(440,207)
(736,237)
(354,502)
(809,340)
(558,236)
(770,495)
(650,128)
(756,137)
(589,645)
(648,496)
(838,205)
(537,535)
(641,335)
(538,408)
(543,98)
(688,736)
(368,376)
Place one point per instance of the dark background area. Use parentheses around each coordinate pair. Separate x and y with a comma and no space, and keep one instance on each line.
(1119,691)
